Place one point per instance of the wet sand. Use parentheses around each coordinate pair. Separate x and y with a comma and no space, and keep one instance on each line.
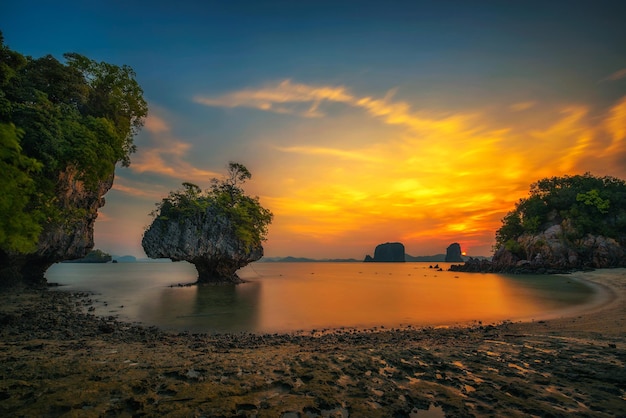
(59,360)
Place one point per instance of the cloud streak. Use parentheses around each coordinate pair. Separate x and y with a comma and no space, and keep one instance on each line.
(166,155)
(288,97)
(617,75)
(331,152)
(282,97)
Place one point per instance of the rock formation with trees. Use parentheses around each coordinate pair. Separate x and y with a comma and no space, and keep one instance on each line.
(63,128)
(219,231)
(566,223)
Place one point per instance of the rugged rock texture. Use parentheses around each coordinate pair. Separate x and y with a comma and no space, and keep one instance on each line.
(388,252)
(207,241)
(453,253)
(68,239)
(552,251)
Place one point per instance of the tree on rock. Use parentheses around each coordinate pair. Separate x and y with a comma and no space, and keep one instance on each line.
(63,128)
(568,222)
(219,231)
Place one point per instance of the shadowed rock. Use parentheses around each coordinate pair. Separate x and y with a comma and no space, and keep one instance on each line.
(453,253)
(388,252)
(552,251)
(207,240)
(69,238)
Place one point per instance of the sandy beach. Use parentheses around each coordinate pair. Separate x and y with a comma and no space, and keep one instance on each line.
(59,360)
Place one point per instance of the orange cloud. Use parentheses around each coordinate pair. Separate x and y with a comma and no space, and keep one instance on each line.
(281,98)
(155,124)
(521,106)
(332,152)
(166,155)
(138,189)
(616,127)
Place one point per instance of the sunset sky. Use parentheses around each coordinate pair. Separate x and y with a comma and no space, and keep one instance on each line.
(362,122)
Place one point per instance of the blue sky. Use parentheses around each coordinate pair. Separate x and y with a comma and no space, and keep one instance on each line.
(362,122)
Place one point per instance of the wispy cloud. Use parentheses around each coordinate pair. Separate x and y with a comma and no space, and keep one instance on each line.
(616,128)
(166,155)
(156,125)
(521,106)
(288,97)
(617,75)
(138,189)
(333,152)
(282,97)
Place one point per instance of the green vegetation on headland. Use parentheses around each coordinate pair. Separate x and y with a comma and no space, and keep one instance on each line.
(219,230)
(582,204)
(566,223)
(63,128)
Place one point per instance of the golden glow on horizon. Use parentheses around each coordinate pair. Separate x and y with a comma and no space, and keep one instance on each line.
(424,178)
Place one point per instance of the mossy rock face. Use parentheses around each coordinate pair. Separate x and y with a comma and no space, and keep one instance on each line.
(208,241)
(68,238)
(219,230)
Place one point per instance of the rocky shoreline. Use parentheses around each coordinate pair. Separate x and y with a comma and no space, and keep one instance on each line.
(60,360)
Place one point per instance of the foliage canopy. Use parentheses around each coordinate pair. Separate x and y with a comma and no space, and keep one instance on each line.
(80,114)
(225,198)
(589,204)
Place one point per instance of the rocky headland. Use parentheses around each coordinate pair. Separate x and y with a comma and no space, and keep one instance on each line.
(65,126)
(551,251)
(566,223)
(68,238)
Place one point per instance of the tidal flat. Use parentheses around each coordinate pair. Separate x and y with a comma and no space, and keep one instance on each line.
(58,359)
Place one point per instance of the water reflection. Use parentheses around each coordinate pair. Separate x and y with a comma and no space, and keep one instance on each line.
(282,297)
(226,308)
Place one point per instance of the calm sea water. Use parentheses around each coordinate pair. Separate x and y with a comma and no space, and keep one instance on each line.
(284,297)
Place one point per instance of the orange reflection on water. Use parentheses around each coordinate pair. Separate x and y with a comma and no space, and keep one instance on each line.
(284,297)
(370,295)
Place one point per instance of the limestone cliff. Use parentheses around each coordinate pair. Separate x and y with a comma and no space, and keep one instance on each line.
(207,240)
(388,252)
(67,238)
(453,253)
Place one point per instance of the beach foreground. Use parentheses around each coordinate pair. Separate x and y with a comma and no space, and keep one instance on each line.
(58,360)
